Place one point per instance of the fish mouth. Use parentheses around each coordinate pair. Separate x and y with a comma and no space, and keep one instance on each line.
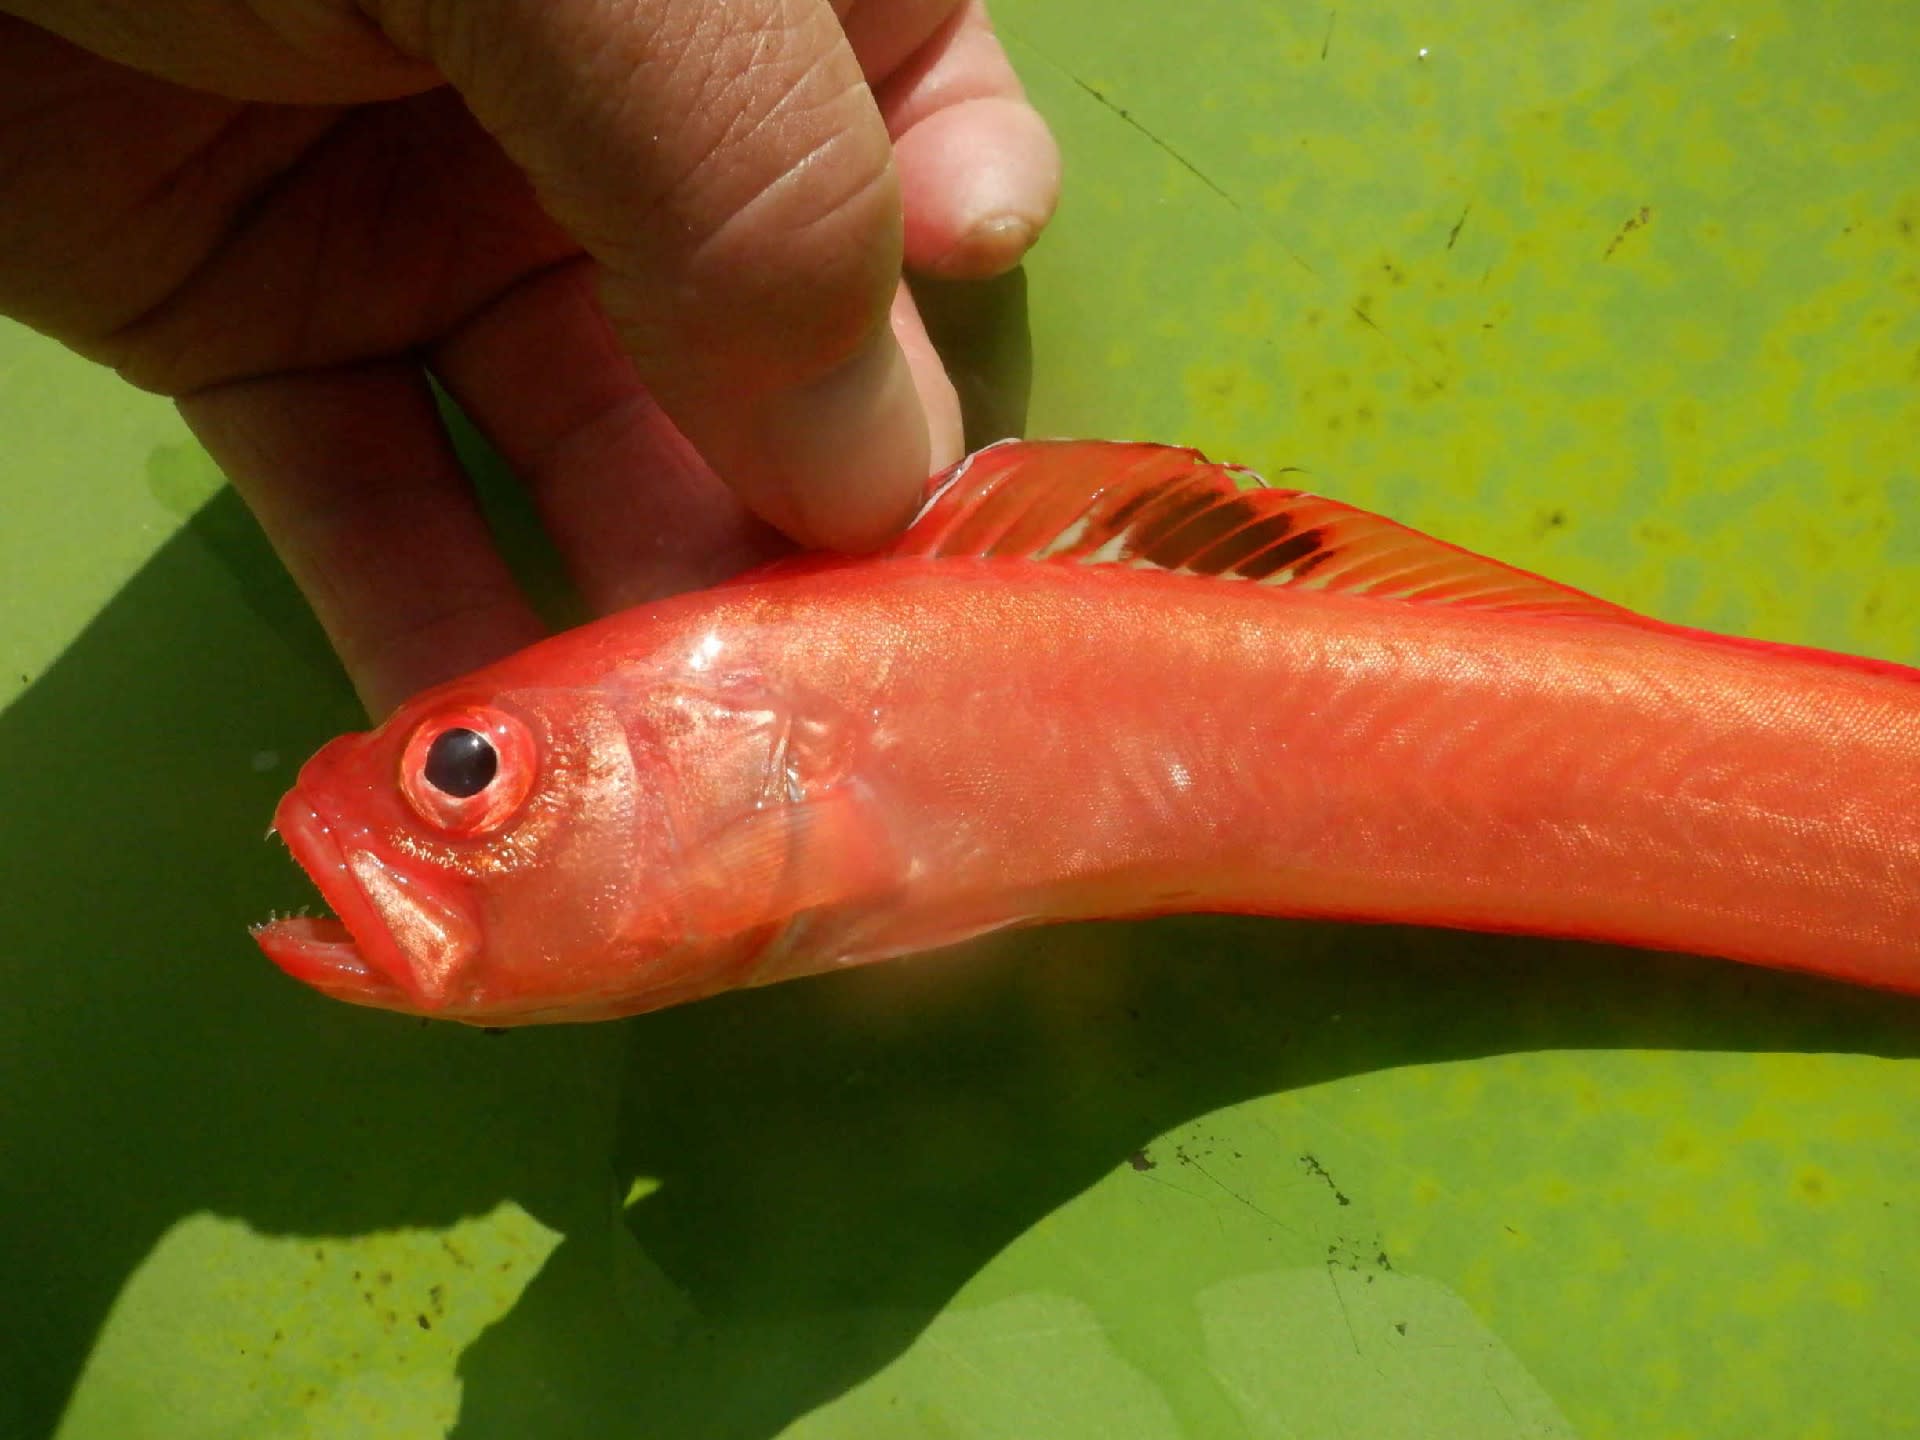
(353,954)
(321,952)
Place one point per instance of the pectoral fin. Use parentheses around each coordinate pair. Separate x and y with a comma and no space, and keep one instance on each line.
(787,858)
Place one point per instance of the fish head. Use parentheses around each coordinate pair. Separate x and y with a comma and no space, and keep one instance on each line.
(521,855)
(477,851)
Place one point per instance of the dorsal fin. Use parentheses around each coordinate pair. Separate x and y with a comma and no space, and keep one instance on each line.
(1161,507)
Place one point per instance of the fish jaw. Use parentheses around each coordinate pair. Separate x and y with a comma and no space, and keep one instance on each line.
(396,944)
(321,953)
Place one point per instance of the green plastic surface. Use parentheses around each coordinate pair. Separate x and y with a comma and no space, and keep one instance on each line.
(1627,293)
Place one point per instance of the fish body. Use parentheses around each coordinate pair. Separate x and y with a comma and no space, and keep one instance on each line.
(1105,681)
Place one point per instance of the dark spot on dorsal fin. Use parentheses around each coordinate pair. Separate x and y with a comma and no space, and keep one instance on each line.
(1243,544)
(1272,561)
(1145,539)
(1310,563)
(1180,547)
(1124,512)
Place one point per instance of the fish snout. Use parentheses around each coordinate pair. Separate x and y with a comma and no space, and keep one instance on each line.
(397,939)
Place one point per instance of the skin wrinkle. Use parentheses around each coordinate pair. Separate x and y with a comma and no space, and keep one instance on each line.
(519,106)
(148,371)
(162,362)
(178,349)
(217,45)
(761,106)
(110,218)
(362,484)
(553,86)
(774,193)
(167,185)
(628,69)
(653,204)
(745,243)
(818,339)
(343,33)
(936,100)
(886,34)
(739,92)
(654,221)
(294,372)
(928,82)
(418,29)
(327,224)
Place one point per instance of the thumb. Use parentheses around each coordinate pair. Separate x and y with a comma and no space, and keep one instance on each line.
(726,166)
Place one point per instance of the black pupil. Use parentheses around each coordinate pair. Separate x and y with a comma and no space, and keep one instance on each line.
(461,763)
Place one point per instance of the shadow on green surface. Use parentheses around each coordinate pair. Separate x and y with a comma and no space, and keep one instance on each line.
(834,1158)
(837,1158)
(981,330)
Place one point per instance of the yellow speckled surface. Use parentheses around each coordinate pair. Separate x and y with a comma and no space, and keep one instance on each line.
(1629,294)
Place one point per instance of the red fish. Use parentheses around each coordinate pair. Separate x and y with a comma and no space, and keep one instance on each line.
(1101,680)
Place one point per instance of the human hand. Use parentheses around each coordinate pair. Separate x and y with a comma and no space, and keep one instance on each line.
(580,216)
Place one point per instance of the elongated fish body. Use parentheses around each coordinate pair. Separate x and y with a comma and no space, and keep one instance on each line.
(1101,681)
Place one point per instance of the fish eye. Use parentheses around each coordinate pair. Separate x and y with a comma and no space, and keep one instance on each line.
(468,772)
(461,762)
